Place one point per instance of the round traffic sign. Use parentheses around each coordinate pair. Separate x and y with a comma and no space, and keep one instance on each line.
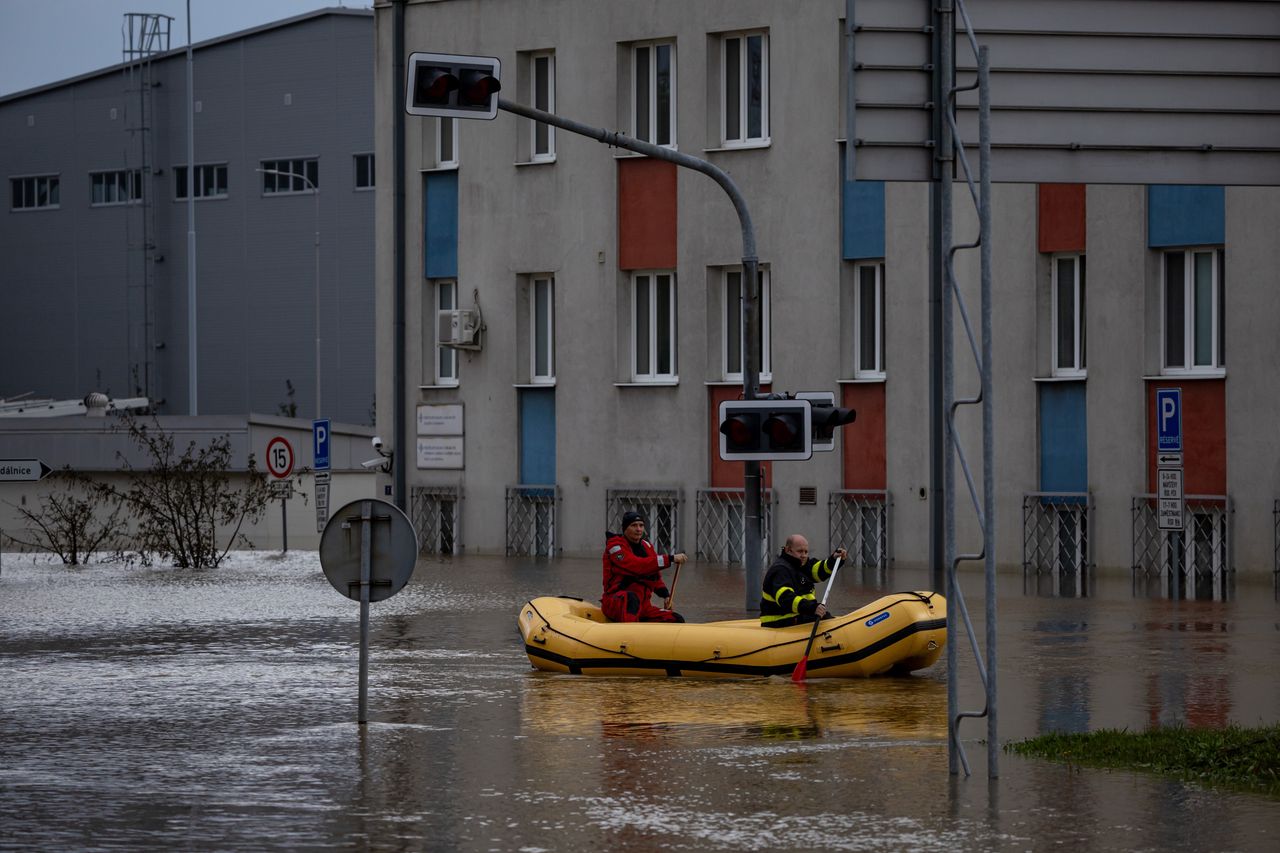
(393,548)
(279,457)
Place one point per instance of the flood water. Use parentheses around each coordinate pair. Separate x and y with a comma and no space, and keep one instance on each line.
(159,709)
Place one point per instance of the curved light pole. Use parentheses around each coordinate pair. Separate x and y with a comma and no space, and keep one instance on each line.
(315,191)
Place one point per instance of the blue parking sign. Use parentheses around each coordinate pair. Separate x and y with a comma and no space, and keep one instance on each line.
(1168,419)
(320,443)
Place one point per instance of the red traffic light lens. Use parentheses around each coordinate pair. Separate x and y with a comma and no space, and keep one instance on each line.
(434,85)
(477,88)
(783,430)
(740,432)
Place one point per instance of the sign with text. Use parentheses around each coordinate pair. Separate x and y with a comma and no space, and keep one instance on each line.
(279,457)
(440,452)
(1169,498)
(440,419)
(320,443)
(23,470)
(1168,420)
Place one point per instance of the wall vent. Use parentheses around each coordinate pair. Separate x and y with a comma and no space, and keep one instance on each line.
(808,496)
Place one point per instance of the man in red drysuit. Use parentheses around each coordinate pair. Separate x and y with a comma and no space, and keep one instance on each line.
(632,573)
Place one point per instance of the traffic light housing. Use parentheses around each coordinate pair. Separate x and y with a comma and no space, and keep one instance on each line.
(447,85)
(765,430)
(827,417)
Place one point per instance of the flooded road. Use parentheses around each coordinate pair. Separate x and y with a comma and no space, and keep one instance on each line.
(157,709)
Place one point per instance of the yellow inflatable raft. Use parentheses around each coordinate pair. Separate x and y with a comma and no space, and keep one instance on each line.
(902,632)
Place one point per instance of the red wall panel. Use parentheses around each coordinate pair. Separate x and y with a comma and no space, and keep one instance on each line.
(863,440)
(646,214)
(1061,217)
(1204,435)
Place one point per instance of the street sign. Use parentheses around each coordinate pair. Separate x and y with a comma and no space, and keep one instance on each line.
(23,470)
(1169,498)
(282,489)
(322,501)
(320,444)
(1168,460)
(373,532)
(1168,419)
(279,457)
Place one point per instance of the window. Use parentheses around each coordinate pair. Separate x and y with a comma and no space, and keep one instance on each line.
(446,298)
(868,320)
(1068,315)
(542,142)
(210,181)
(542,337)
(735,325)
(653,326)
(34,192)
(744,89)
(1193,315)
(119,187)
(364,171)
(653,103)
(281,177)
(446,142)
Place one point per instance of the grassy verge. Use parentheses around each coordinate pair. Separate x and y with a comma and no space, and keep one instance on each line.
(1246,759)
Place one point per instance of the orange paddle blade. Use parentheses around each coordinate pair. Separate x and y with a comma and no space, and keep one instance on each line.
(800,670)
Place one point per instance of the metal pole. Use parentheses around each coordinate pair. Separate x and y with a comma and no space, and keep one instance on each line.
(284,524)
(753,557)
(988,403)
(366,556)
(398,395)
(192,372)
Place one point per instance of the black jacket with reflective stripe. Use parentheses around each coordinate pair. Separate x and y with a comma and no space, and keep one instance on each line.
(787,597)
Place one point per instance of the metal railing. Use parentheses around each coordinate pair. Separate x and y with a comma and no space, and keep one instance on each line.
(660,509)
(1195,562)
(531,520)
(858,519)
(1057,549)
(720,532)
(435,515)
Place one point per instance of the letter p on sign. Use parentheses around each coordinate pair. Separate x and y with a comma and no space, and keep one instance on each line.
(1169,419)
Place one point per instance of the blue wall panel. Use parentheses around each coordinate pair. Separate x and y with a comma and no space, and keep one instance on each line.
(1185,215)
(1063,437)
(537,436)
(862,218)
(440,224)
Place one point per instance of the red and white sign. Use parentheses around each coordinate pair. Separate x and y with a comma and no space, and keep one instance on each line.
(279,457)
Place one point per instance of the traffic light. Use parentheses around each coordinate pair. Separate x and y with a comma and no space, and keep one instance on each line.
(827,417)
(450,86)
(767,430)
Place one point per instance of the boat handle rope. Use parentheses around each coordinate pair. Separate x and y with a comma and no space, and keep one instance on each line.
(546,626)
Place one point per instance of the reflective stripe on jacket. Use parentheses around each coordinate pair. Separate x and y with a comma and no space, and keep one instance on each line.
(787,596)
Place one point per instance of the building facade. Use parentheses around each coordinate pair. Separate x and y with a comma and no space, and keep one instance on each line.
(607,289)
(95,235)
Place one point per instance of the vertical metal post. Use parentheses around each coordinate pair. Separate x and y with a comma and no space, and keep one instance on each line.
(284,524)
(366,556)
(316,192)
(988,404)
(399,404)
(192,357)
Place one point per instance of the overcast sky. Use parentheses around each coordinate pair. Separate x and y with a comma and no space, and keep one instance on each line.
(50,40)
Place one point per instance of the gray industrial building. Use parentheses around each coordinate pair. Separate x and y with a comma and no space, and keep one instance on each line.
(95,234)
(572,312)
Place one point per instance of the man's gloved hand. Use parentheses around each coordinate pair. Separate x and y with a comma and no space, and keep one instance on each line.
(662,592)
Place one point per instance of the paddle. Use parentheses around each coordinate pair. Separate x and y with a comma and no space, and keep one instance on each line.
(803,666)
(671,593)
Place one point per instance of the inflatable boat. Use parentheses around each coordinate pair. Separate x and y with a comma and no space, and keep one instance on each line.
(898,633)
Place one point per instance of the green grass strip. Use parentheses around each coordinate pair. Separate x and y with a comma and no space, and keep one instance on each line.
(1246,759)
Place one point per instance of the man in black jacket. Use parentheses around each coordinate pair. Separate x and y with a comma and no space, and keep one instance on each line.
(787,598)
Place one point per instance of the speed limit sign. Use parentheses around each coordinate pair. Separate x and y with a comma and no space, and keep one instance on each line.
(279,457)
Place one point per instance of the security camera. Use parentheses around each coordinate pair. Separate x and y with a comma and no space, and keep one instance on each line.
(373,463)
(377,442)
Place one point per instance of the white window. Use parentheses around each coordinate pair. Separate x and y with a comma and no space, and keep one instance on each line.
(653,326)
(210,181)
(542,335)
(868,320)
(284,177)
(123,186)
(744,89)
(446,142)
(1193,317)
(446,357)
(542,140)
(735,325)
(1068,315)
(364,171)
(34,192)
(653,102)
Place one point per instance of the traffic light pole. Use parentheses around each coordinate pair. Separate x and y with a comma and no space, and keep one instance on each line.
(753,558)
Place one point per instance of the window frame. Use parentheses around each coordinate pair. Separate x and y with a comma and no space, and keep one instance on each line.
(651,82)
(876,371)
(356,160)
(1217,303)
(447,129)
(743,140)
(130,180)
(52,190)
(310,168)
(445,355)
(650,310)
(549,105)
(1078,369)
(727,317)
(203,170)
(548,378)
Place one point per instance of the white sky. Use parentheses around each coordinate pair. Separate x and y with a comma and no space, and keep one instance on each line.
(50,40)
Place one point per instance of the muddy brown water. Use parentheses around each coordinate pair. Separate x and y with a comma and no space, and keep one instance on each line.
(157,709)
